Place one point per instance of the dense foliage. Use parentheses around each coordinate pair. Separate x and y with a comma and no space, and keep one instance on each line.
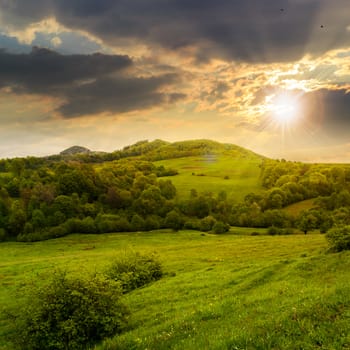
(42,198)
(70,314)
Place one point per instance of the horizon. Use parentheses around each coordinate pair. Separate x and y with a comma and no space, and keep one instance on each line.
(270,77)
(58,152)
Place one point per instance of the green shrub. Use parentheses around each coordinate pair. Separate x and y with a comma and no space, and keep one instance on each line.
(339,238)
(192,224)
(70,314)
(273,230)
(135,270)
(44,234)
(153,222)
(86,225)
(220,227)
(207,223)
(112,223)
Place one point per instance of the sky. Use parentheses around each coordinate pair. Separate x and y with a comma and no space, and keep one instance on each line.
(269,75)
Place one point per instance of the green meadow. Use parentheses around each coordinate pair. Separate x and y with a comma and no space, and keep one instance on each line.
(296,208)
(226,291)
(215,173)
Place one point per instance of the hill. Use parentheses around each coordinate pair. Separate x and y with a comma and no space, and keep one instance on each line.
(203,165)
(75,150)
(162,150)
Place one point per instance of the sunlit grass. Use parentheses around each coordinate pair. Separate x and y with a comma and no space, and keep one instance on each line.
(220,291)
(236,176)
(296,208)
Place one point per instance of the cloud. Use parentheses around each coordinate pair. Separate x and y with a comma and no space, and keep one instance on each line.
(251,30)
(329,110)
(87,84)
(324,111)
(119,95)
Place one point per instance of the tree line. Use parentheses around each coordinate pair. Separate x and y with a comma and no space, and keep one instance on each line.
(45,199)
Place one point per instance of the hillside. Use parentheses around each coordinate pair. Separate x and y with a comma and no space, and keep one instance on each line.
(235,174)
(210,211)
(75,150)
(161,150)
(156,150)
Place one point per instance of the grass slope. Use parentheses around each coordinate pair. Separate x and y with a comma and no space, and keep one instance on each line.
(221,292)
(215,173)
(296,208)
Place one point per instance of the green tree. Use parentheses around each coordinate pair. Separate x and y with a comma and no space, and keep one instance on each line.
(167,189)
(307,221)
(174,220)
(38,219)
(16,220)
(137,223)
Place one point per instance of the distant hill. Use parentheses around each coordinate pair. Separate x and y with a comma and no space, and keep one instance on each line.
(158,150)
(75,150)
(162,150)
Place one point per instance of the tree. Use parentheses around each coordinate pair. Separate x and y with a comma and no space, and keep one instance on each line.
(174,220)
(65,205)
(339,238)
(167,189)
(38,219)
(17,220)
(137,223)
(308,220)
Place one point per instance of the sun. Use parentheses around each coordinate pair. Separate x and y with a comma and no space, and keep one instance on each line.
(285,108)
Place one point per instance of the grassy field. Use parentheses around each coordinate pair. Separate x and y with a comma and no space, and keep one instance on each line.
(236,176)
(220,292)
(296,208)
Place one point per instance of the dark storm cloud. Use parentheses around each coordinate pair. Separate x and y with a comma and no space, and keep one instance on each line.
(119,95)
(249,30)
(328,109)
(42,69)
(87,83)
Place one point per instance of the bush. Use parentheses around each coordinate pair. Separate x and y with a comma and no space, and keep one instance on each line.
(107,223)
(153,222)
(70,314)
(137,223)
(273,230)
(339,238)
(192,224)
(86,225)
(220,227)
(135,270)
(44,234)
(207,223)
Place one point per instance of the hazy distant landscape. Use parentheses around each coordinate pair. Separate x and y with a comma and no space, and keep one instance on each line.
(206,245)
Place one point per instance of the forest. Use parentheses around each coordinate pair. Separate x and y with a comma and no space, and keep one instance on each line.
(128,191)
